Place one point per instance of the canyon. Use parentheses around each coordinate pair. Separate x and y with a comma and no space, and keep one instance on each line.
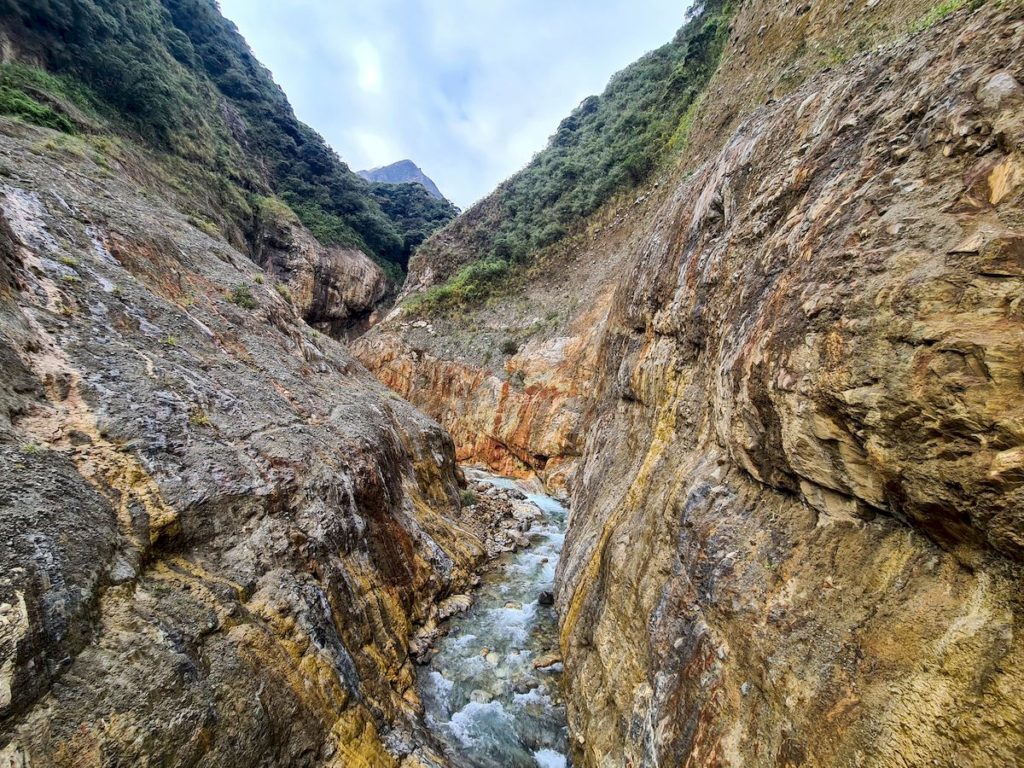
(784,392)
(776,382)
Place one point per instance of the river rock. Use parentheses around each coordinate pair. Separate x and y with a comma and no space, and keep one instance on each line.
(546,598)
(547,660)
(453,605)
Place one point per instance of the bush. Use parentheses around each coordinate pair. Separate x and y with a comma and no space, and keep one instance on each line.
(509,347)
(18,104)
(609,144)
(243,297)
(467,498)
(469,287)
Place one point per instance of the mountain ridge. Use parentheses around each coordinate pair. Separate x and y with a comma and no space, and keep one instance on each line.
(402,172)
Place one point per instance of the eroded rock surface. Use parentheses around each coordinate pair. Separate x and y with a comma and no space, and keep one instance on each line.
(797,532)
(217,531)
(797,536)
(336,290)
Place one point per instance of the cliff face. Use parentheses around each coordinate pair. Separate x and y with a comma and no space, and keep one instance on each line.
(810,427)
(522,419)
(796,532)
(219,532)
(336,290)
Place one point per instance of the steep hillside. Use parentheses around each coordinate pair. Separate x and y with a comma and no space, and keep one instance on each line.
(175,77)
(609,145)
(417,215)
(403,172)
(780,380)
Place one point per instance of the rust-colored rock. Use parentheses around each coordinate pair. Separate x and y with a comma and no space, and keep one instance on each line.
(813,439)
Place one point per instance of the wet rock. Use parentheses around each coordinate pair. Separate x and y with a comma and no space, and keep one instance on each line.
(547,660)
(454,604)
(218,530)
(546,598)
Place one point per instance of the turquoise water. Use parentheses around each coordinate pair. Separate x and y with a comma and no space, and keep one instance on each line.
(484,700)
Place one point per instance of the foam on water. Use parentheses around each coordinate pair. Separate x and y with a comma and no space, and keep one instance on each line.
(548,758)
(484,700)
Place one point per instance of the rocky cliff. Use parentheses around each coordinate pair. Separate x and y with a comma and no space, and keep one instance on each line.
(219,532)
(792,366)
(810,425)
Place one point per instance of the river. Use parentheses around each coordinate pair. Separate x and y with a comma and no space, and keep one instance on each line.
(483,697)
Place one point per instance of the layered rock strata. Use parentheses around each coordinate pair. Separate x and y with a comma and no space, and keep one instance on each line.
(338,291)
(798,530)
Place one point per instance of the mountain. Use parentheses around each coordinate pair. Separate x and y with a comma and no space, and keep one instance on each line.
(176,77)
(402,172)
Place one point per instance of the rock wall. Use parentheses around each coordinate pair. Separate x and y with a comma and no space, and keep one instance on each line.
(521,418)
(218,531)
(797,533)
(338,291)
(794,428)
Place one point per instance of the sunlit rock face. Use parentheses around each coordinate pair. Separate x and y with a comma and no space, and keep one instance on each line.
(218,531)
(798,528)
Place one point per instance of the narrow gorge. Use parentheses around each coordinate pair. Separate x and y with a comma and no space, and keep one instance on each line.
(288,455)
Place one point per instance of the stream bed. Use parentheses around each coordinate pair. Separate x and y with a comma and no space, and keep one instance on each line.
(483,697)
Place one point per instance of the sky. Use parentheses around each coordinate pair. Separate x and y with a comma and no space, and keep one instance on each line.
(469,90)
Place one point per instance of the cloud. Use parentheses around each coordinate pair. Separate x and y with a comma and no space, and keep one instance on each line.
(468,89)
(368,75)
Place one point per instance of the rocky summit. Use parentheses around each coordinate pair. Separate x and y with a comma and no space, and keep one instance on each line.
(745,341)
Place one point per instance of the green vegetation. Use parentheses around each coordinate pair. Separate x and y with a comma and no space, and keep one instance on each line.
(467,498)
(37,97)
(243,297)
(610,144)
(16,103)
(208,227)
(414,211)
(938,13)
(471,286)
(283,292)
(198,417)
(176,76)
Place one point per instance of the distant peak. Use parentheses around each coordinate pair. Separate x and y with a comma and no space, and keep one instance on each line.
(402,172)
